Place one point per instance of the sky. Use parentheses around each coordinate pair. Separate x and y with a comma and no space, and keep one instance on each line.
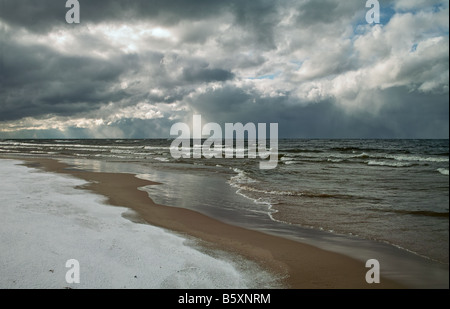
(131,69)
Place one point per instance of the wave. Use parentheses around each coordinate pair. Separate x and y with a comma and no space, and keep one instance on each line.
(141,153)
(122,151)
(426,213)
(390,164)
(85,149)
(355,149)
(286,159)
(246,187)
(332,159)
(290,162)
(331,196)
(271,192)
(323,157)
(157,148)
(70,146)
(301,150)
(335,160)
(162,159)
(373,160)
(101,155)
(361,156)
(8,143)
(416,158)
(443,171)
(239,182)
(240,178)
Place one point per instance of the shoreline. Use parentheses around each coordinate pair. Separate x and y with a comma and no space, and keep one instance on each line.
(302,265)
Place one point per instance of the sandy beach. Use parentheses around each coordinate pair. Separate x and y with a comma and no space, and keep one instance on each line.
(225,144)
(303,266)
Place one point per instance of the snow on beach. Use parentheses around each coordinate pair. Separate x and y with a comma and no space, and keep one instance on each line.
(45,222)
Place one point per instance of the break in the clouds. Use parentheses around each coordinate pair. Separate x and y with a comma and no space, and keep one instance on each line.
(133,68)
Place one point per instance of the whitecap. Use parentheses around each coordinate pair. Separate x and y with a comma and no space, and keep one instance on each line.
(443,171)
(391,164)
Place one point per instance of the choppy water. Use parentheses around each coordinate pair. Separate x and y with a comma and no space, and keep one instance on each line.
(394,191)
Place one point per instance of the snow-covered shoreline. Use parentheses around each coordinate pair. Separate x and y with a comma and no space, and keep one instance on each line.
(45,221)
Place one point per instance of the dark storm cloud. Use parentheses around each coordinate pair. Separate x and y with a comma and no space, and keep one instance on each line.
(206,75)
(328,11)
(414,114)
(44,14)
(139,128)
(321,120)
(318,11)
(258,17)
(176,74)
(406,115)
(36,80)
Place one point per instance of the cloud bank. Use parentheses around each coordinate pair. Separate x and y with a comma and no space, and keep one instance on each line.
(133,68)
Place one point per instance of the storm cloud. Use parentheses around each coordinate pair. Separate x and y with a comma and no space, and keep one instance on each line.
(133,68)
